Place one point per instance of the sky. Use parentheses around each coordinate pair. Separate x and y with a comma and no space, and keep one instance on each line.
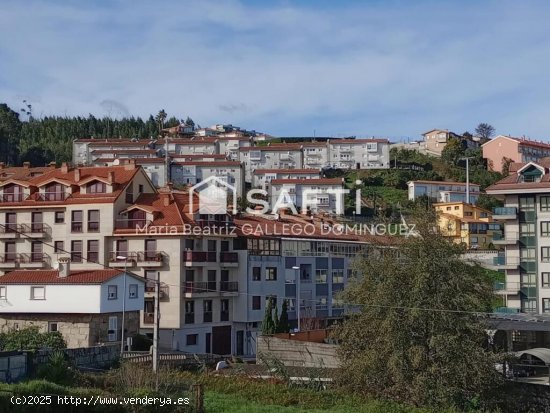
(289,68)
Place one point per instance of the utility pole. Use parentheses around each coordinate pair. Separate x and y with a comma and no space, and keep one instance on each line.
(467,159)
(298,298)
(123,303)
(156,329)
(166,162)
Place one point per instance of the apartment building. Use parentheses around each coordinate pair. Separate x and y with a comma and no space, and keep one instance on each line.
(230,145)
(189,146)
(359,153)
(193,172)
(276,156)
(85,306)
(85,151)
(262,177)
(467,224)
(526,237)
(320,194)
(315,155)
(442,191)
(502,149)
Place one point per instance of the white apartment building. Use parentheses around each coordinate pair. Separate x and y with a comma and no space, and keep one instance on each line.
(193,172)
(276,156)
(230,145)
(315,155)
(85,151)
(359,153)
(85,306)
(189,146)
(262,177)
(442,191)
(525,237)
(320,194)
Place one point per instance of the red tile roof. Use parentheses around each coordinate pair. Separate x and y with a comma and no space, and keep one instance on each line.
(358,141)
(208,163)
(118,151)
(274,147)
(320,181)
(119,143)
(442,182)
(52,277)
(197,156)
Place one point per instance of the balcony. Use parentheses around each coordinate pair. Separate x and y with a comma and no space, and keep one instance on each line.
(36,230)
(52,196)
(505,288)
(133,224)
(504,263)
(229,259)
(193,289)
(503,213)
(506,310)
(229,287)
(508,238)
(9,260)
(192,258)
(27,260)
(148,318)
(150,287)
(9,231)
(9,198)
(204,223)
(345,149)
(150,258)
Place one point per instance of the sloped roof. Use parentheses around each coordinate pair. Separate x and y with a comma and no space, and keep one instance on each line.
(52,277)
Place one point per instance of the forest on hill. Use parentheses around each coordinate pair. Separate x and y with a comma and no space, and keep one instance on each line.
(42,140)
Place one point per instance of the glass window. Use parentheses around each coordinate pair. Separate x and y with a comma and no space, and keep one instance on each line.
(256,302)
(76,221)
(93,220)
(112,292)
(59,217)
(545,280)
(3,291)
(545,203)
(76,251)
(527,253)
(133,291)
(38,293)
(546,305)
(271,273)
(93,251)
(52,326)
(256,274)
(545,229)
(192,339)
(545,254)
(97,188)
(321,276)
(337,276)
(58,247)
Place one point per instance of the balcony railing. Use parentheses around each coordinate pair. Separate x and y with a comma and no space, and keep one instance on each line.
(507,287)
(504,212)
(229,256)
(132,223)
(229,286)
(148,318)
(202,223)
(199,256)
(25,258)
(506,310)
(199,287)
(10,228)
(164,290)
(508,236)
(13,197)
(503,261)
(52,196)
(36,228)
(156,256)
(10,257)
(129,256)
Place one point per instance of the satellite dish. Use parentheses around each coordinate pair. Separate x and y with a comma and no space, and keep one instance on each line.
(116,162)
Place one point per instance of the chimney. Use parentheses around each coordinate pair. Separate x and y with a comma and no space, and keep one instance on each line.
(111,177)
(77,174)
(52,165)
(64,167)
(130,165)
(26,165)
(166,198)
(64,266)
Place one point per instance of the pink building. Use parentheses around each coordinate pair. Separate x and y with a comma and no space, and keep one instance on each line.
(521,150)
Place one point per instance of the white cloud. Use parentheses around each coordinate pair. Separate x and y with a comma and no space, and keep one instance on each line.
(385,68)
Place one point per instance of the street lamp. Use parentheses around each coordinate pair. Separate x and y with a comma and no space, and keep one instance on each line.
(297,278)
(120,257)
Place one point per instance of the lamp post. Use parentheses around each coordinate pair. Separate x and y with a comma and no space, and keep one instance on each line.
(298,298)
(467,159)
(120,257)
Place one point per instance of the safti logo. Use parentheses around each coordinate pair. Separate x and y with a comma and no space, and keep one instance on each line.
(213,194)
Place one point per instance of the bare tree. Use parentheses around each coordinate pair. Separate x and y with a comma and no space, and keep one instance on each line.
(485,131)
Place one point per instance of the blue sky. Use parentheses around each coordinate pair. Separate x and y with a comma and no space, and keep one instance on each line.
(365,68)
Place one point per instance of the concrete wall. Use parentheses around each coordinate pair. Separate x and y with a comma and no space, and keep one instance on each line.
(297,353)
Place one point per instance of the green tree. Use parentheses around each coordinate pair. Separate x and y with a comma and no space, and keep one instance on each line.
(485,131)
(10,129)
(452,152)
(416,336)
(268,324)
(276,320)
(160,118)
(488,202)
(30,338)
(284,325)
(189,122)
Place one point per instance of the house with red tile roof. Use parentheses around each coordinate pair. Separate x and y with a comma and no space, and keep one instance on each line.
(85,306)
(503,149)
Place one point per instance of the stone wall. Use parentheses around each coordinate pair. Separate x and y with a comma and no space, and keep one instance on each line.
(297,353)
(78,330)
(94,357)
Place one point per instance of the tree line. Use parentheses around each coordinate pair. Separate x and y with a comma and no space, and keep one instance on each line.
(46,139)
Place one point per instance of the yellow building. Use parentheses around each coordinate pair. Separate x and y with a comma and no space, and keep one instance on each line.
(466,223)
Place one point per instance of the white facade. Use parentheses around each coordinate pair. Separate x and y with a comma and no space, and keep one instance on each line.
(441,191)
(319,194)
(315,155)
(262,177)
(191,173)
(270,157)
(359,153)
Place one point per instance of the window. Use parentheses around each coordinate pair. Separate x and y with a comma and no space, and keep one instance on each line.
(76,251)
(133,291)
(545,203)
(546,305)
(140,188)
(59,217)
(129,195)
(256,274)
(76,221)
(97,188)
(52,327)
(38,293)
(192,339)
(224,313)
(321,276)
(337,276)
(207,311)
(546,280)
(264,246)
(545,254)
(527,254)
(545,229)
(468,214)
(256,302)
(321,303)
(3,291)
(93,251)
(112,292)
(189,312)
(271,274)
(93,220)
(457,208)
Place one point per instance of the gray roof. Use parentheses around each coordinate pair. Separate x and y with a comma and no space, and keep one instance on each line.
(540,353)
